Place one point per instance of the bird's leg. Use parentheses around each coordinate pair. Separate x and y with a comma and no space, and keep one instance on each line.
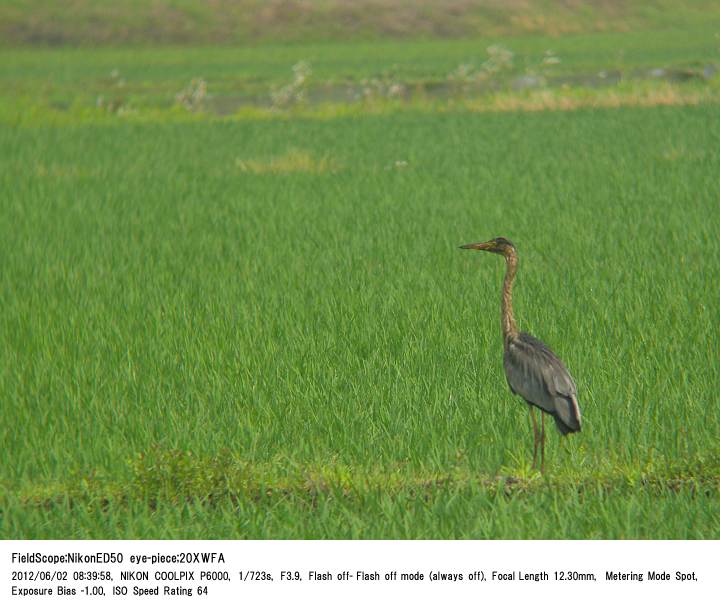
(535,436)
(542,443)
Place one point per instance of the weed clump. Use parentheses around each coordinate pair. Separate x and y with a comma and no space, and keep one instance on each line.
(295,92)
(194,96)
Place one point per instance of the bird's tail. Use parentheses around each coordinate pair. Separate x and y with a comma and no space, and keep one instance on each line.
(567,415)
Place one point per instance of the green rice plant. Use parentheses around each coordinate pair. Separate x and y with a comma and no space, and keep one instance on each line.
(193,348)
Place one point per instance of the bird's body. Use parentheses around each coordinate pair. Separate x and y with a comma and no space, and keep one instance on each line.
(533,371)
(537,375)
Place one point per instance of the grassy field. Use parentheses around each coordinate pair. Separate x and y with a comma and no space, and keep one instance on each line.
(255,322)
(38,82)
(266,328)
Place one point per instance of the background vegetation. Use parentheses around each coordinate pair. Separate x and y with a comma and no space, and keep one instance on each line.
(93,22)
(233,303)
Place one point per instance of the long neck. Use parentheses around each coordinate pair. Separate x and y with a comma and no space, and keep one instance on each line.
(509,327)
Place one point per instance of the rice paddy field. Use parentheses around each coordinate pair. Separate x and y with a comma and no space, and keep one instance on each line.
(257,323)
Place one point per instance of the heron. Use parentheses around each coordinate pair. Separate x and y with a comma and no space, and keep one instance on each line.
(533,371)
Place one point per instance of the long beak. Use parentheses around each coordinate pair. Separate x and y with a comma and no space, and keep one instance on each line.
(476,246)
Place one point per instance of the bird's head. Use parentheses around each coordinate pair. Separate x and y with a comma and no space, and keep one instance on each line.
(499,245)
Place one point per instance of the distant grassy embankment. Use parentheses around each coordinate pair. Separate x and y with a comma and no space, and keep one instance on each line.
(180,22)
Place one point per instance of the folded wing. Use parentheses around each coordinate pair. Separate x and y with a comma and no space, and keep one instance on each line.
(534,372)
